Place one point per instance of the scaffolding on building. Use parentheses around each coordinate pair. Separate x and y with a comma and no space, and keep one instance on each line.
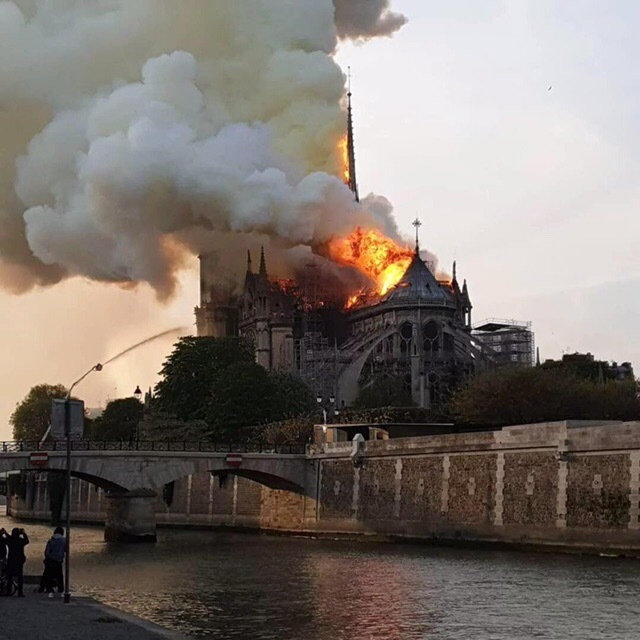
(315,339)
(510,342)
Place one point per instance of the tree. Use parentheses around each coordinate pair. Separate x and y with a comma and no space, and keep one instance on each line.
(214,387)
(119,420)
(296,430)
(526,395)
(31,417)
(292,398)
(246,395)
(242,397)
(386,392)
(192,369)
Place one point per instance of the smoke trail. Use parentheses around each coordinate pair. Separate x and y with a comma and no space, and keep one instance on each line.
(154,124)
(147,341)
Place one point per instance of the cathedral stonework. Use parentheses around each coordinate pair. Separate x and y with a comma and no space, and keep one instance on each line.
(419,332)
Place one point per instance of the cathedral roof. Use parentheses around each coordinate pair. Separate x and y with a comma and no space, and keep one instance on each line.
(419,285)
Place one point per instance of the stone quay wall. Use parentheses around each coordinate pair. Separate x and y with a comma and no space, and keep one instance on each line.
(567,485)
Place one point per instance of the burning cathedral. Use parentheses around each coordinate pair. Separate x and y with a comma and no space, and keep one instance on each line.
(415,326)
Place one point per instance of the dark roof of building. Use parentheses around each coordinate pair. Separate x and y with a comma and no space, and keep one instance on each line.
(420,285)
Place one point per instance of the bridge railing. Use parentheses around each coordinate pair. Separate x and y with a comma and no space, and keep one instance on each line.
(17,446)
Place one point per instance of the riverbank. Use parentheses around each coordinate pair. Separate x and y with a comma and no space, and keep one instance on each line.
(38,617)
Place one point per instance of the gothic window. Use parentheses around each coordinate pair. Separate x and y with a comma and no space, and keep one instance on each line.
(406,333)
(431,334)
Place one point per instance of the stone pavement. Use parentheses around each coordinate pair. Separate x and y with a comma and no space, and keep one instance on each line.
(37,617)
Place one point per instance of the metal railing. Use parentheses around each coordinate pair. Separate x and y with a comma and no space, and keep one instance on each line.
(17,446)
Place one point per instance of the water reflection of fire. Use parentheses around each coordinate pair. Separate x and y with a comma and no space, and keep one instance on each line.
(374,255)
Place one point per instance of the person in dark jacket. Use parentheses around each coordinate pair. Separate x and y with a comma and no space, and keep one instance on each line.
(16,558)
(53,558)
(3,546)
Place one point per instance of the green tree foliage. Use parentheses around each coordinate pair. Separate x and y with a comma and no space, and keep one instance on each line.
(189,374)
(388,392)
(248,395)
(215,386)
(523,395)
(241,397)
(291,397)
(295,430)
(119,420)
(32,416)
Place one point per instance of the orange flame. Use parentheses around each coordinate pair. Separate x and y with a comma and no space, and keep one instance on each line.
(374,255)
(343,145)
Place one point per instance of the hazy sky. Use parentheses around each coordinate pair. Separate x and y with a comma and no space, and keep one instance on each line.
(533,190)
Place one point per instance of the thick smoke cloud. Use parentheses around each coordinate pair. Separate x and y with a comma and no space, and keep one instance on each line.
(153,124)
(364,19)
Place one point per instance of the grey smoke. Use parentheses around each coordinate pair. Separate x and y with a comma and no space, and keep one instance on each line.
(133,132)
(364,19)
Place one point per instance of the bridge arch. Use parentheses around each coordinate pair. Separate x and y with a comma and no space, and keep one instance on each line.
(270,471)
(92,471)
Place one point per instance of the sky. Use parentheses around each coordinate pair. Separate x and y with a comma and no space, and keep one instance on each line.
(508,127)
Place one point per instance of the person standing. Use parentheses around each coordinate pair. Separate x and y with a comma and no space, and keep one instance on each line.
(16,558)
(3,546)
(53,558)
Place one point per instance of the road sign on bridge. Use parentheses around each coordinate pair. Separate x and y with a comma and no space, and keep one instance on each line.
(39,458)
(233,459)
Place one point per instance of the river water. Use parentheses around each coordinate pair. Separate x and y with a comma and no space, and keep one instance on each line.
(221,585)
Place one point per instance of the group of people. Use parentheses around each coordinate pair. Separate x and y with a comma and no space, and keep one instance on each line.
(13,557)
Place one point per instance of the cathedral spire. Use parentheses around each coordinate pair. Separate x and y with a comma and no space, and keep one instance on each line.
(263,263)
(351,149)
(417,224)
(249,264)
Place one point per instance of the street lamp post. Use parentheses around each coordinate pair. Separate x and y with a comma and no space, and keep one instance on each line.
(323,408)
(67,433)
(137,394)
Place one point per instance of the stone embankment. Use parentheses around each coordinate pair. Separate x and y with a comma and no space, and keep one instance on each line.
(565,486)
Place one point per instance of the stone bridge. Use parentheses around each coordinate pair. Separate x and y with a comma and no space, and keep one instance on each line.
(132,478)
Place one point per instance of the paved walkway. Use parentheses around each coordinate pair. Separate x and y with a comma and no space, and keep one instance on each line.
(37,617)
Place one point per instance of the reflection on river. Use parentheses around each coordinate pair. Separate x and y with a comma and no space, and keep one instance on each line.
(216,585)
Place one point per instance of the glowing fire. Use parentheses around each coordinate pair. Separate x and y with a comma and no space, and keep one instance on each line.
(373,254)
(343,145)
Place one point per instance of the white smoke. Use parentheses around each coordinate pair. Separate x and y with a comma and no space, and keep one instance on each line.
(157,123)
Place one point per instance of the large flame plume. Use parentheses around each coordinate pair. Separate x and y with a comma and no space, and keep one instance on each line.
(379,258)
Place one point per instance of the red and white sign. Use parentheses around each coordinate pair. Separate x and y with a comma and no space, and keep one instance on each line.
(39,458)
(233,459)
